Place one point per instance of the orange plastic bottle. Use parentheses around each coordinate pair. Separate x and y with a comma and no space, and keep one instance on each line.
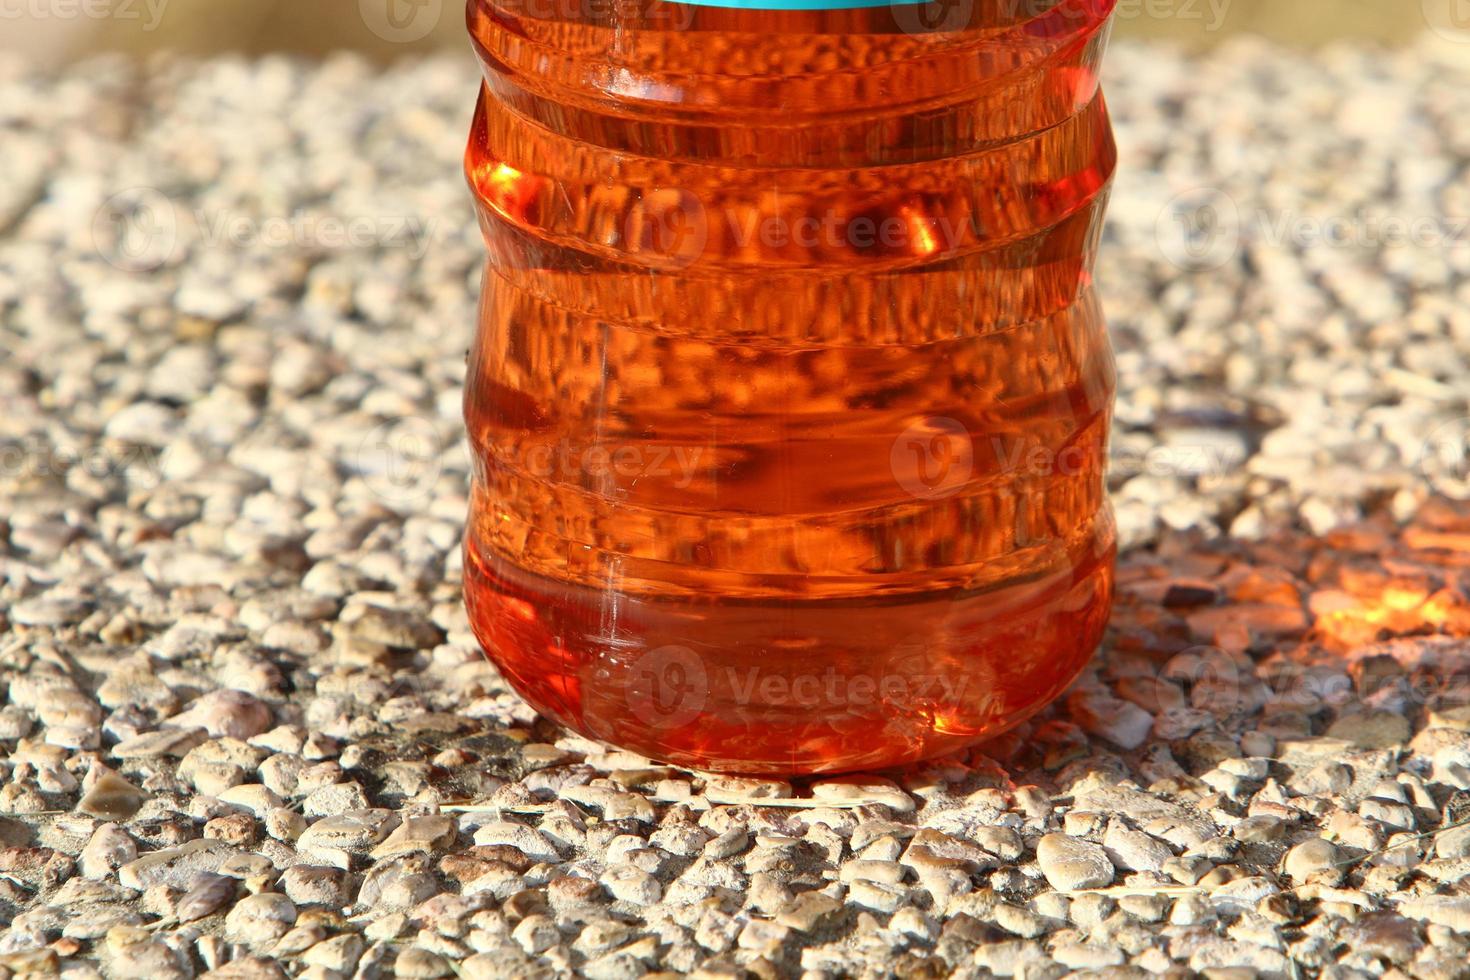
(790,396)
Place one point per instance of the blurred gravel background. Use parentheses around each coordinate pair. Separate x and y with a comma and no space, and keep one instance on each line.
(243,709)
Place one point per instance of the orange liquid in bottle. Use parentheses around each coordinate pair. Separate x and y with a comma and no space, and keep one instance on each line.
(790,395)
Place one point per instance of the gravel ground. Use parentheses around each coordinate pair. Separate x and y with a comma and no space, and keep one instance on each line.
(246,728)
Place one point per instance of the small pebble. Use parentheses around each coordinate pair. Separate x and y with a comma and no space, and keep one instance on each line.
(1071,864)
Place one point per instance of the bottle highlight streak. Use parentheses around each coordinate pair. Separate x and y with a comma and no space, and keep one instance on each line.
(790,396)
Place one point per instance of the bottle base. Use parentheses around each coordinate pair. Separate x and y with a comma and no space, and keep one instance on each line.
(790,687)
